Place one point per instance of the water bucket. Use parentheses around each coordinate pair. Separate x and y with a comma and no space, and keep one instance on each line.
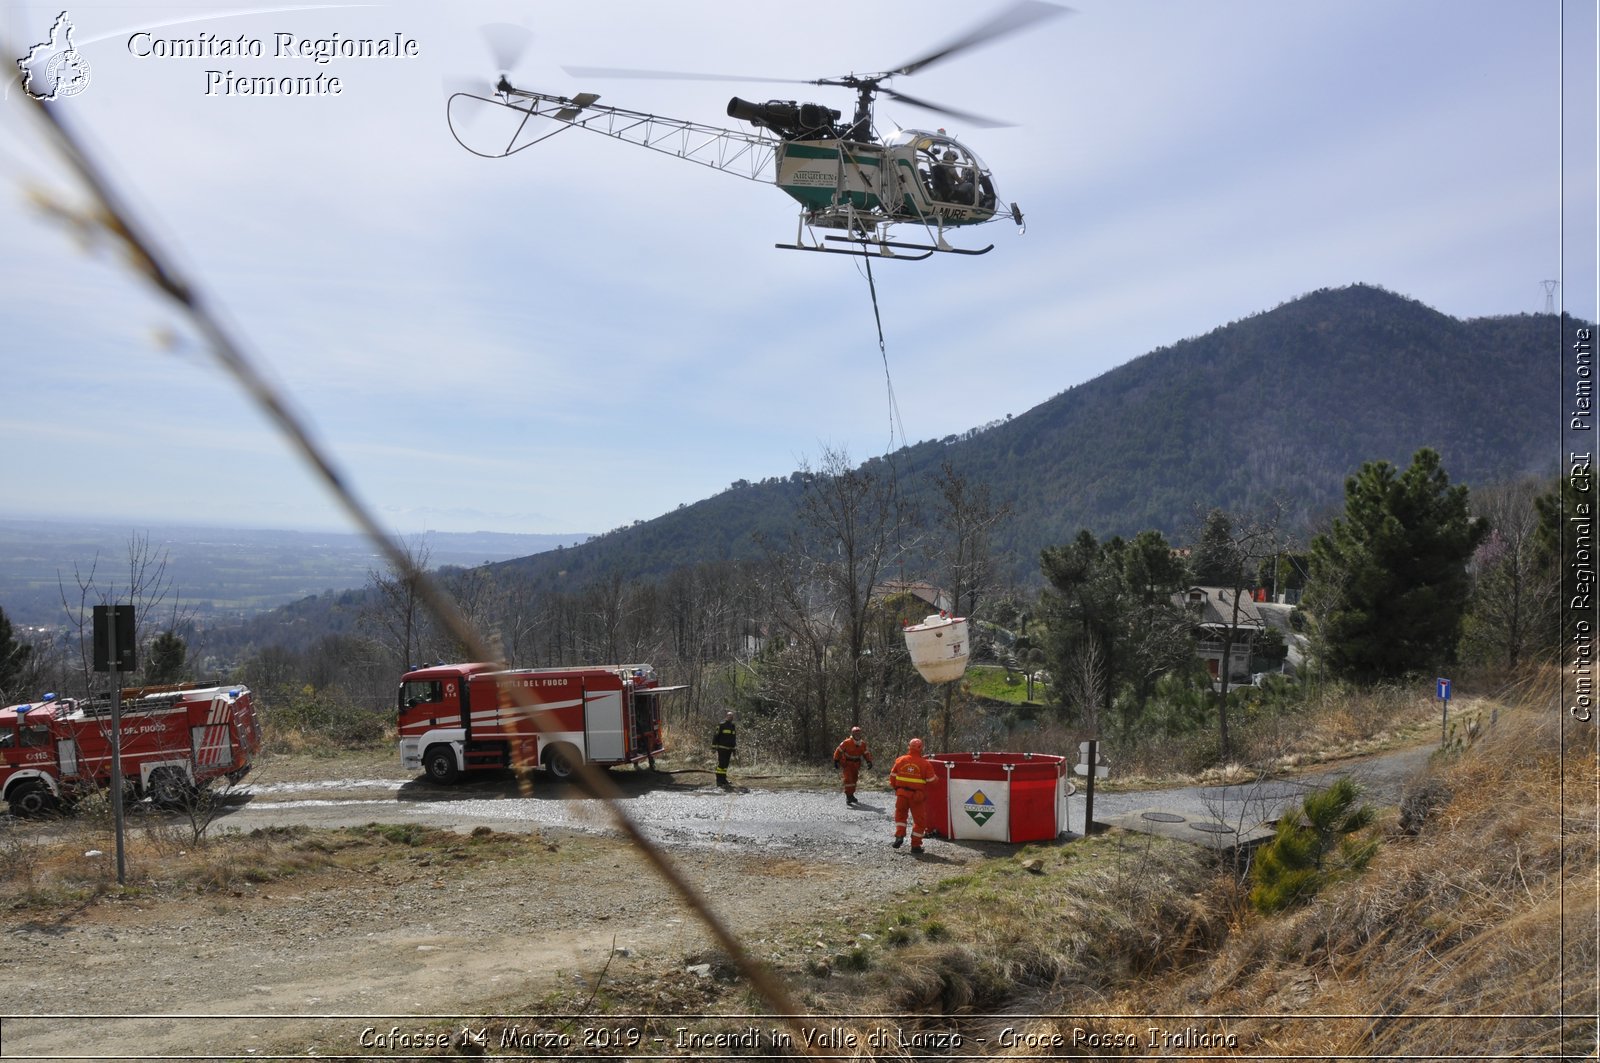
(938,647)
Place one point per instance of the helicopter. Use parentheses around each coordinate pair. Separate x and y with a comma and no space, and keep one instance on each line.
(852,184)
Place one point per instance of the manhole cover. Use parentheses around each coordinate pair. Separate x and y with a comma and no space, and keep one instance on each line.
(1213,828)
(1161,817)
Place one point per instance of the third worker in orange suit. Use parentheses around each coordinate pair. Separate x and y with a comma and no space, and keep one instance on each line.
(847,758)
(910,777)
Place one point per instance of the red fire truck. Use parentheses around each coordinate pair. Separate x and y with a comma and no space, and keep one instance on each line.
(457,718)
(175,741)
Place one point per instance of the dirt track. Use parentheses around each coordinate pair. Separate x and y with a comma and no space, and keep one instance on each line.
(230,975)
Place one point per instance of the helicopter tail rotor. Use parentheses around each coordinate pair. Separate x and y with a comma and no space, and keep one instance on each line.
(508,45)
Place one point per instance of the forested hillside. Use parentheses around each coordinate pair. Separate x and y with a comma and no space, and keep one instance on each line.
(1279,407)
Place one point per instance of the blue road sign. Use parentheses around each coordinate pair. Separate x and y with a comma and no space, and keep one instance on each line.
(1444,689)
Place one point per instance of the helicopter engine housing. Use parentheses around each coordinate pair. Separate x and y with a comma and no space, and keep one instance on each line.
(787,118)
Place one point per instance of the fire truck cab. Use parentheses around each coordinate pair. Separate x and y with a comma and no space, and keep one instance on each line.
(458,718)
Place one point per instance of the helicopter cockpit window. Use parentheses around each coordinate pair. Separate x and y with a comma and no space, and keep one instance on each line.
(950,172)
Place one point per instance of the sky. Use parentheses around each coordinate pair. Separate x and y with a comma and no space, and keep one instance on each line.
(588,334)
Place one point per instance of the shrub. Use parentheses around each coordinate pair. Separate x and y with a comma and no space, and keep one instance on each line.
(1314,845)
(308,716)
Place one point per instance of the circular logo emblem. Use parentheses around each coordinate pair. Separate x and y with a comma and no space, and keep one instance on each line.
(68,71)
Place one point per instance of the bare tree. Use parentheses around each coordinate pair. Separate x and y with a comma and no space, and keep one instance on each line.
(1086,684)
(1229,550)
(477,595)
(398,616)
(704,610)
(969,516)
(1515,596)
(149,589)
(856,518)
(794,666)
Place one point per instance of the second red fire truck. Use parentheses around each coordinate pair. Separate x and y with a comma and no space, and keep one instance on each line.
(175,742)
(458,718)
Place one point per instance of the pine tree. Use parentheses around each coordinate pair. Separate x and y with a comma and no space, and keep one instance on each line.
(1314,845)
(165,663)
(1389,583)
(13,661)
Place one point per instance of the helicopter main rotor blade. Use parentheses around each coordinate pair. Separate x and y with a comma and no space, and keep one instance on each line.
(670,75)
(1018,16)
(966,116)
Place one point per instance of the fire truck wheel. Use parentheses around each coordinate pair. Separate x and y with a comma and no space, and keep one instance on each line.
(561,761)
(439,764)
(31,799)
(171,789)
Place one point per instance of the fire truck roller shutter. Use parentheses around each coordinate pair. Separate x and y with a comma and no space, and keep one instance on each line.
(603,725)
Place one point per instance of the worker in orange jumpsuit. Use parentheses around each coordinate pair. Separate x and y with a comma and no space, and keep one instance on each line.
(847,758)
(910,777)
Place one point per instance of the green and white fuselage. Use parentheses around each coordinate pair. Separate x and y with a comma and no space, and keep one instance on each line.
(857,188)
(912,176)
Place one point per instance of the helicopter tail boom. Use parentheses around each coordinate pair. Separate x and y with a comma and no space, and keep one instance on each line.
(747,155)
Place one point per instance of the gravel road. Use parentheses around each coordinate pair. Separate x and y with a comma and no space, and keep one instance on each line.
(679,814)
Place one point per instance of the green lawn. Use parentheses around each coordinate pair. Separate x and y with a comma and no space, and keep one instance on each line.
(992,683)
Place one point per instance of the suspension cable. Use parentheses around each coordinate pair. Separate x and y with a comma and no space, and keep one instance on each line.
(895,423)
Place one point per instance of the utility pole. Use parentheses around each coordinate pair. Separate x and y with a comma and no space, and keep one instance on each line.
(115,652)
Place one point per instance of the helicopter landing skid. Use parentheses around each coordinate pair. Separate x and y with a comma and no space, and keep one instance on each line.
(941,247)
(862,253)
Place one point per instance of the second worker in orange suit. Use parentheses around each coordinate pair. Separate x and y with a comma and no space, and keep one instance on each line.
(910,777)
(847,758)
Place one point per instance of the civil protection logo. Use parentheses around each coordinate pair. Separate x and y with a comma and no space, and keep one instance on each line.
(979,807)
(53,68)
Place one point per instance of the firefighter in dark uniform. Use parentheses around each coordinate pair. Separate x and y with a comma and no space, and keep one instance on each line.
(724,741)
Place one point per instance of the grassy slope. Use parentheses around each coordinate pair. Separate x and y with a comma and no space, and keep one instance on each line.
(1470,936)
(1472,933)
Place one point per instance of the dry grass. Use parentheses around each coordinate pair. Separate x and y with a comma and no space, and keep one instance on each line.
(1473,934)
(1090,916)
(63,869)
(1335,722)
(1472,937)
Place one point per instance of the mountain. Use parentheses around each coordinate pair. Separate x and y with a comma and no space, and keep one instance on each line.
(1281,406)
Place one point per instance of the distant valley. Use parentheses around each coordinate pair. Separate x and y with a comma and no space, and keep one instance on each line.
(217,575)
